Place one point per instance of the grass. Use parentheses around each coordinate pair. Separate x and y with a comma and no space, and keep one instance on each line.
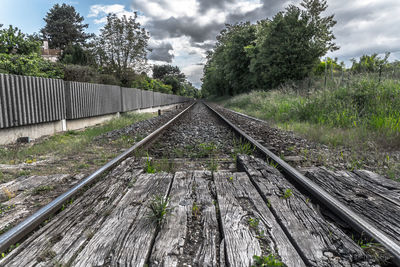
(158,209)
(241,147)
(161,165)
(270,260)
(70,142)
(365,106)
(287,194)
(362,112)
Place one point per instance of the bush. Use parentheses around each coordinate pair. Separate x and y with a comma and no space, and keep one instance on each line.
(79,73)
(30,65)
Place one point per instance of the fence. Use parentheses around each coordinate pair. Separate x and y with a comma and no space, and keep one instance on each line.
(28,100)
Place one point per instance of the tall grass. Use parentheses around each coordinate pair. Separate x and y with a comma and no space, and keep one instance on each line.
(365,105)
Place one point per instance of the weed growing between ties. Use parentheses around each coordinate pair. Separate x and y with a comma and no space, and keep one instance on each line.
(376,250)
(287,194)
(270,260)
(159,165)
(158,209)
(241,146)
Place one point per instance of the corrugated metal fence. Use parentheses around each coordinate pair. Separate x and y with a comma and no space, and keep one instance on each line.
(28,100)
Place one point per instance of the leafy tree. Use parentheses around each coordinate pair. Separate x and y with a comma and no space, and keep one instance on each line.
(331,63)
(170,75)
(121,46)
(266,54)
(146,83)
(371,63)
(76,54)
(13,41)
(293,43)
(20,54)
(64,26)
(227,67)
(161,71)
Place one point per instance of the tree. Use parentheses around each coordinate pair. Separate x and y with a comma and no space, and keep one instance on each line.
(371,63)
(161,71)
(293,43)
(64,26)
(121,46)
(170,75)
(227,68)
(76,54)
(13,41)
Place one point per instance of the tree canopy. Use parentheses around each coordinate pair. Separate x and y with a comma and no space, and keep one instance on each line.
(64,26)
(13,41)
(271,52)
(121,46)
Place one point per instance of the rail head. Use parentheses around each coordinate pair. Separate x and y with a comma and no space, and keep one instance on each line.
(352,218)
(19,231)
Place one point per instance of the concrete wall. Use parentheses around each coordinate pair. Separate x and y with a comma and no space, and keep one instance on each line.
(10,135)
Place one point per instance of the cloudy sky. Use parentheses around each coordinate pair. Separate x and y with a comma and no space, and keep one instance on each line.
(183,30)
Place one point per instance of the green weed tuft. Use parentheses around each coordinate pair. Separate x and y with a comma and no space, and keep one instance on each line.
(158,209)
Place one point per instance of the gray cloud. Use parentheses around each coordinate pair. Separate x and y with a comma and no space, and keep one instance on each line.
(184,26)
(364,27)
(161,52)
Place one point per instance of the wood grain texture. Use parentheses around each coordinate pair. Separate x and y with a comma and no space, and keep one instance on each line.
(65,236)
(368,194)
(190,233)
(319,242)
(248,225)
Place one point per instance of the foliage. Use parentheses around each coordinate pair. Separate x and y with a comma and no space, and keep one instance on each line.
(371,63)
(271,52)
(89,74)
(158,209)
(13,41)
(31,65)
(328,64)
(121,46)
(64,27)
(146,83)
(170,75)
(162,71)
(267,261)
(293,43)
(76,54)
(227,68)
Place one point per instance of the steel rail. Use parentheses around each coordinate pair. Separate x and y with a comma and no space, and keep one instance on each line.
(352,218)
(22,229)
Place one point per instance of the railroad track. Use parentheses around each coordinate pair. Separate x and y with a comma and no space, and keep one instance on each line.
(225,208)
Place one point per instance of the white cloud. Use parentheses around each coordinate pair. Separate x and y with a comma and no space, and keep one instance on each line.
(100,12)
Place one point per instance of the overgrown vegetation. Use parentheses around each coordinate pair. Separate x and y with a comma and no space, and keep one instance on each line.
(366,107)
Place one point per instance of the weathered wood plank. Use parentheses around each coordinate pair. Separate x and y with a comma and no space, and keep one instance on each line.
(126,236)
(248,225)
(319,242)
(190,234)
(63,236)
(365,193)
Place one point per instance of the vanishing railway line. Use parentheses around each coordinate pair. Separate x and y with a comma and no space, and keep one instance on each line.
(225,207)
